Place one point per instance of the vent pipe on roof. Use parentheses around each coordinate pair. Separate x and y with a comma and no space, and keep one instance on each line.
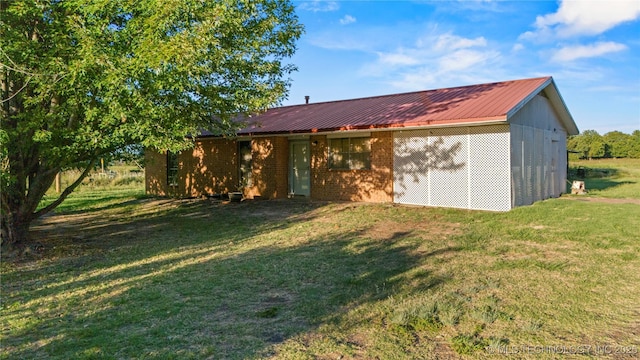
(306,99)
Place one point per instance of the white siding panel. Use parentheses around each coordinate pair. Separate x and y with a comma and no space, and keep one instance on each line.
(537,113)
(561,169)
(538,153)
(538,173)
(547,174)
(517,166)
(528,165)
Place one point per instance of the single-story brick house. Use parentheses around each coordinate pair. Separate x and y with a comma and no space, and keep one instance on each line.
(490,146)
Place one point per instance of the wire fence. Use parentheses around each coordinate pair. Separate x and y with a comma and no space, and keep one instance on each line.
(119,177)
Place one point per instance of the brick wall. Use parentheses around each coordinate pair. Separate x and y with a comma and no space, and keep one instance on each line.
(270,168)
(282,167)
(155,172)
(373,185)
(210,167)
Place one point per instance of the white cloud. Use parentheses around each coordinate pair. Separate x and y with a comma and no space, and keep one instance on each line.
(397,58)
(577,75)
(576,18)
(319,6)
(332,41)
(420,79)
(370,39)
(436,60)
(449,42)
(570,53)
(347,19)
(517,47)
(471,5)
(464,59)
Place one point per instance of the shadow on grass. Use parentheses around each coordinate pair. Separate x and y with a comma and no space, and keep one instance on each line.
(595,178)
(203,280)
(582,172)
(599,184)
(93,201)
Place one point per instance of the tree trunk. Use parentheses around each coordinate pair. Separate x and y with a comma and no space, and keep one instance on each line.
(19,207)
(15,233)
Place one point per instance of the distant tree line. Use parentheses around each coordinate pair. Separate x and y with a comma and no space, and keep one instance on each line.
(615,144)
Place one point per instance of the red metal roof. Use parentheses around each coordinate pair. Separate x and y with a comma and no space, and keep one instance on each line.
(441,107)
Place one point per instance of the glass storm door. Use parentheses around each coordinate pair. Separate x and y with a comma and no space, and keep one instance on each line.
(299,174)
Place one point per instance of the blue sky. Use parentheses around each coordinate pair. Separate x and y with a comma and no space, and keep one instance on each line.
(355,49)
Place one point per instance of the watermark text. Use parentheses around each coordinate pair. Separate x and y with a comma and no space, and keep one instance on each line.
(597,349)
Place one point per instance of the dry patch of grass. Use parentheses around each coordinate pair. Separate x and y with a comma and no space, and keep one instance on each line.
(434,229)
(198,279)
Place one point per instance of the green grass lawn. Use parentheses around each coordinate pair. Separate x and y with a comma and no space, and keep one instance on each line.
(132,278)
(611,178)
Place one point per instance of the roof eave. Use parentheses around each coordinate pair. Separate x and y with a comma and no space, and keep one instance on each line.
(528,98)
(353,129)
(551,90)
(563,111)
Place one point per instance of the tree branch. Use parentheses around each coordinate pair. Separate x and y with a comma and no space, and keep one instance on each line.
(16,93)
(66,191)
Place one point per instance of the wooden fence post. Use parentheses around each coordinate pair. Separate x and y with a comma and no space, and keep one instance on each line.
(58,183)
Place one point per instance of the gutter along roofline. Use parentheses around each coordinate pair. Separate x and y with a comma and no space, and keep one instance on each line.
(493,121)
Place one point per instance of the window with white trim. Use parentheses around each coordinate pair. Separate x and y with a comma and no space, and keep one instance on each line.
(350,153)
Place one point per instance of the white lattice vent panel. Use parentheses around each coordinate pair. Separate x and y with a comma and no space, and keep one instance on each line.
(436,167)
(449,174)
(410,170)
(489,168)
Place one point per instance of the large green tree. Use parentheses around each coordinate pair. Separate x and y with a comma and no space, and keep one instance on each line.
(588,144)
(618,143)
(84,78)
(634,144)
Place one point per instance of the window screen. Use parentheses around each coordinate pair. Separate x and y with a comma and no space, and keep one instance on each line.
(172,168)
(350,153)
